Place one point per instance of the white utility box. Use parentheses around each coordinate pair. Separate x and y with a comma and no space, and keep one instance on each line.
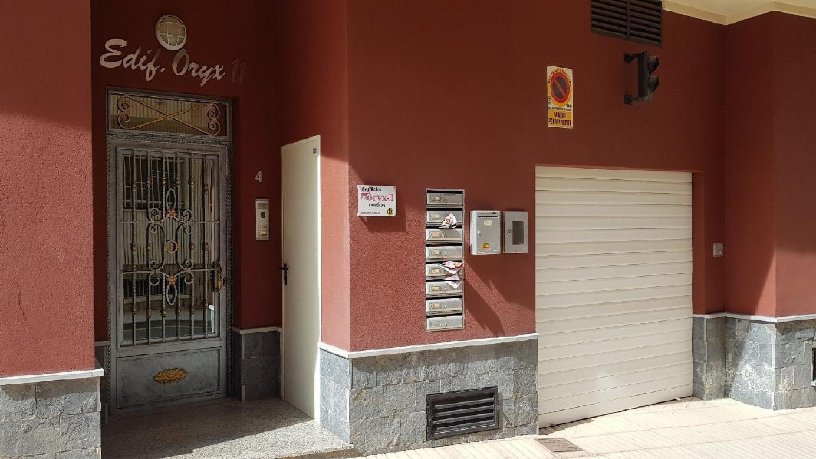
(485,232)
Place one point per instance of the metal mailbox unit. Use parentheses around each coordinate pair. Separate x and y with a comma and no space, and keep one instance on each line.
(444,259)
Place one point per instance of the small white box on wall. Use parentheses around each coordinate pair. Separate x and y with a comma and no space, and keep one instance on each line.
(485,232)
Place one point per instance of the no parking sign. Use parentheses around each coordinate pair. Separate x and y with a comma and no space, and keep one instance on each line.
(560,90)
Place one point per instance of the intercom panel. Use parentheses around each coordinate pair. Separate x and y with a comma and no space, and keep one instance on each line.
(262,219)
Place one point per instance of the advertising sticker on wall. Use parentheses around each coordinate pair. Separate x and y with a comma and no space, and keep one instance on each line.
(376,201)
(559,97)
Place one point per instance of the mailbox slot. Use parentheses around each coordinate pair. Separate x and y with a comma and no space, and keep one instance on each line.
(438,271)
(435,217)
(443,252)
(443,306)
(442,288)
(444,323)
(445,198)
(444,234)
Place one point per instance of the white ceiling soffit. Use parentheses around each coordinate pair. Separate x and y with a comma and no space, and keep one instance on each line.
(731,11)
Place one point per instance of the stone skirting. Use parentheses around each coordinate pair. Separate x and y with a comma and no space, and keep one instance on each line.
(766,364)
(50,419)
(708,351)
(378,403)
(103,356)
(256,360)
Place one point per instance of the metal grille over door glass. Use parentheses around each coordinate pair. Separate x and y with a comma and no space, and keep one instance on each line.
(170,269)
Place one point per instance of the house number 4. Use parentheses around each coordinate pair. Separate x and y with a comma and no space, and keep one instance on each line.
(259,177)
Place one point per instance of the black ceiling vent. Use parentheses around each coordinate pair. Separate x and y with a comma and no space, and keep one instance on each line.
(461,412)
(636,20)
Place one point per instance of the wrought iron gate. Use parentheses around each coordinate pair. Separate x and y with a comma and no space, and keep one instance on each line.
(169,307)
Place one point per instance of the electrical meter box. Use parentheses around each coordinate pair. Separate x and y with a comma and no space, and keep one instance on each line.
(516,232)
(485,232)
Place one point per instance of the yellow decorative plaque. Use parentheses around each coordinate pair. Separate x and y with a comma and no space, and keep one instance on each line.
(170,376)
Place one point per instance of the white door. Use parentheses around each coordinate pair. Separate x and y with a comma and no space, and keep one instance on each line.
(300,194)
(613,290)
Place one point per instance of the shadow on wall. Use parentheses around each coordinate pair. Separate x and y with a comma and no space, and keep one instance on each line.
(484,314)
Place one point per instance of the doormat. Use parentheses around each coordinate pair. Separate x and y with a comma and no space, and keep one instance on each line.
(559,445)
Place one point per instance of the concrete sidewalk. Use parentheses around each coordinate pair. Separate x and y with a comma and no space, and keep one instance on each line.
(687,428)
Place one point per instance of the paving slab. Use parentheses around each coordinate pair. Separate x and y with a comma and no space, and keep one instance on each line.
(225,428)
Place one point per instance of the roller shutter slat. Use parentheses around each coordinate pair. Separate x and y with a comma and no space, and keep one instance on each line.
(558,342)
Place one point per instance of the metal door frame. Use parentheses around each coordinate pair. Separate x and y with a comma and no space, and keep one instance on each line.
(166,141)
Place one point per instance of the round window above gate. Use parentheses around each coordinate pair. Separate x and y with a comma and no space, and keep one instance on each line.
(171,32)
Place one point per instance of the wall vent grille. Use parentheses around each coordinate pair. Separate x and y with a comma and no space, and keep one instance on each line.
(637,20)
(461,412)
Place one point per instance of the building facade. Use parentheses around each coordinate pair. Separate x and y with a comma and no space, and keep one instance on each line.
(182,198)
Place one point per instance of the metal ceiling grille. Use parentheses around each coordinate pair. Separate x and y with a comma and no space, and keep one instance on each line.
(461,412)
(637,20)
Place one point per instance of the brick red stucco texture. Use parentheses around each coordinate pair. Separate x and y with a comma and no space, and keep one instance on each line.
(46,211)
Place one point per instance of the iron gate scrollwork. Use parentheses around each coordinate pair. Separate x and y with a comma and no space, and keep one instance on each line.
(170,229)
(157,114)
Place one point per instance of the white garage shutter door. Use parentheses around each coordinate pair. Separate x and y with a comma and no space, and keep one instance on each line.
(613,290)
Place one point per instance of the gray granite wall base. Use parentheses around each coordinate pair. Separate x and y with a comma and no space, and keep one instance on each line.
(335,387)
(793,365)
(378,403)
(103,355)
(765,364)
(256,364)
(50,419)
(750,375)
(708,346)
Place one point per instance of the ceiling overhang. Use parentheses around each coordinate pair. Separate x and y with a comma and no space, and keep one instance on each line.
(731,11)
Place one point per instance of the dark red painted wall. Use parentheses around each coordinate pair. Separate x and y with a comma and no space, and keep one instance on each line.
(794,71)
(218,32)
(750,191)
(452,94)
(771,207)
(313,100)
(46,211)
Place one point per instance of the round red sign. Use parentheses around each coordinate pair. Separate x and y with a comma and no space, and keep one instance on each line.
(560,87)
